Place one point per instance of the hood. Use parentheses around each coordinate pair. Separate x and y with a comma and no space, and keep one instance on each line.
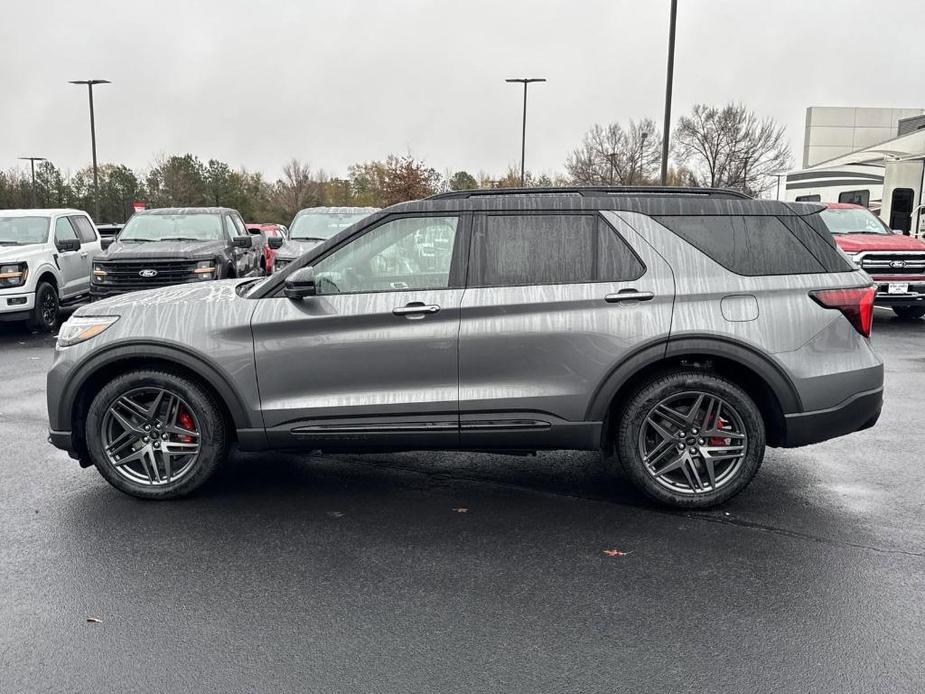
(15,254)
(181,250)
(293,248)
(856,243)
(213,292)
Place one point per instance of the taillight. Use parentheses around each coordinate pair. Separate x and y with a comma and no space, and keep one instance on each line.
(857,305)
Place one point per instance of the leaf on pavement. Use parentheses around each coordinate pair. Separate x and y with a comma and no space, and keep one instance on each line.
(94,620)
(615,553)
(461,509)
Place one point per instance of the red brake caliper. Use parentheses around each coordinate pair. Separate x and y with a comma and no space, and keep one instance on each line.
(185,420)
(719,424)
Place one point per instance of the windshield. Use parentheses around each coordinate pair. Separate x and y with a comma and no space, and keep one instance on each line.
(20,231)
(850,220)
(173,227)
(320,226)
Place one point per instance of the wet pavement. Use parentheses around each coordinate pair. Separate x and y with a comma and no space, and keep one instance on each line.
(464,572)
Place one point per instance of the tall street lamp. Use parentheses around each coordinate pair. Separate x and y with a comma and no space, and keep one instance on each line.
(32,161)
(523,136)
(666,131)
(96,180)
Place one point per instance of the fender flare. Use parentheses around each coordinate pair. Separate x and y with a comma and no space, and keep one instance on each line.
(219,381)
(45,268)
(741,353)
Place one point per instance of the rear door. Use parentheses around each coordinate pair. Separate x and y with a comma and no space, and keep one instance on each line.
(554,303)
(371,360)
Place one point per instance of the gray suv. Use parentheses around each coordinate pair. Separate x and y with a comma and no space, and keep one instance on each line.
(677,331)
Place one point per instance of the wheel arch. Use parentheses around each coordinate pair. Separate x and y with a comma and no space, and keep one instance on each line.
(89,376)
(763,380)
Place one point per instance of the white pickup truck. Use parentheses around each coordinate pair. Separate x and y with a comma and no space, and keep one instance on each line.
(45,262)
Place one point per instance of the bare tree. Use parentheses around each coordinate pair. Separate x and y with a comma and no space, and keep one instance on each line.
(614,155)
(296,190)
(730,147)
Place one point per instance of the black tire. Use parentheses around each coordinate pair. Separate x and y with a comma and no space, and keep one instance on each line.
(909,312)
(46,311)
(213,435)
(629,430)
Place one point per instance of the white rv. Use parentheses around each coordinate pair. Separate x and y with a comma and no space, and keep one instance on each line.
(888,178)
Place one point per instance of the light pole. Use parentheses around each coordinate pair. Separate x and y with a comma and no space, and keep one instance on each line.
(666,132)
(96,180)
(32,161)
(523,136)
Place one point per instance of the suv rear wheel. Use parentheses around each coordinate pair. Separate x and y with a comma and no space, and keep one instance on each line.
(690,439)
(155,435)
(909,312)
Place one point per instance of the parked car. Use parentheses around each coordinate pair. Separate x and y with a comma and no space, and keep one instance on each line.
(895,262)
(267,232)
(677,332)
(45,258)
(315,225)
(171,246)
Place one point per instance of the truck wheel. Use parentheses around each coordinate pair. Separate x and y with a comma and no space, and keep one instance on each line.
(155,435)
(690,439)
(909,312)
(45,313)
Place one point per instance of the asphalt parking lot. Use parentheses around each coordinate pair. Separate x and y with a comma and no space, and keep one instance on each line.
(461,572)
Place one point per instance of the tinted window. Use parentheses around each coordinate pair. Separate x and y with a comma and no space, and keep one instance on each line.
(809,198)
(747,245)
(855,197)
(516,250)
(64,231)
(408,253)
(84,228)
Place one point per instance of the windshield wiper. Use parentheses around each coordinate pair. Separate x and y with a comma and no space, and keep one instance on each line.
(179,238)
(308,238)
(9,243)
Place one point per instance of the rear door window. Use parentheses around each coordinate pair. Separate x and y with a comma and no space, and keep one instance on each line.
(747,245)
(525,250)
(84,228)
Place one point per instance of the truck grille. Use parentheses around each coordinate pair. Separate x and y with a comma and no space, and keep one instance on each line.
(129,275)
(894,263)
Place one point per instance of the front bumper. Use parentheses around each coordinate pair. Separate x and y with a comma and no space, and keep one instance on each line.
(859,412)
(16,305)
(915,295)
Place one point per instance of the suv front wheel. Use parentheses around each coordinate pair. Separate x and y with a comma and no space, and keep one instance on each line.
(155,435)
(690,439)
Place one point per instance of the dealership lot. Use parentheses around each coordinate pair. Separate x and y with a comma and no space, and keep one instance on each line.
(464,572)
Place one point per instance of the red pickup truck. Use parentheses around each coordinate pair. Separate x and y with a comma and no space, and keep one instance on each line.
(895,262)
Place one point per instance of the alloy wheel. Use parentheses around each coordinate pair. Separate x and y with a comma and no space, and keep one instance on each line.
(48,308)
(693,442)
(151,436)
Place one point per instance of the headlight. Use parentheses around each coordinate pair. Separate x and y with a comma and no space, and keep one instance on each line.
(99,274)
(79,329)
(13,274)
(205,270)
(853,257)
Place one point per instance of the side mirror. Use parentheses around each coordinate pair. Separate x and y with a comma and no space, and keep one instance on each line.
(275,242)
(66,245)
(300,284)
(106,243)
(242,242)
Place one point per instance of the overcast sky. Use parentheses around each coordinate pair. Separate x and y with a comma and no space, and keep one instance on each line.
(333,82)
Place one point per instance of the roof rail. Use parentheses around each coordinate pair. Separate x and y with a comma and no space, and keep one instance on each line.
(594,191)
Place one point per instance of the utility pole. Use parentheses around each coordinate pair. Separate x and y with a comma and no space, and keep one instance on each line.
(523,136)
(96,180)
(666,131)
(32,161)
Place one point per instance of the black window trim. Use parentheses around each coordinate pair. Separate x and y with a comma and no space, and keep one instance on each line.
(480,216)
(458,268)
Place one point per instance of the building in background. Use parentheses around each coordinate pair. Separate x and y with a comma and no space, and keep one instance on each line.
(861,156)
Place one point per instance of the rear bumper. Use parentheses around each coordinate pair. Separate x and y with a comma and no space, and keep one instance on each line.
(857,413)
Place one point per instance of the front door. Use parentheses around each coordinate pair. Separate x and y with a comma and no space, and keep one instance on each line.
(371,360)
(75,272)
(554,303)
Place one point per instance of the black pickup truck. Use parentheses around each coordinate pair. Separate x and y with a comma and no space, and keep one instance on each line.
(168,246)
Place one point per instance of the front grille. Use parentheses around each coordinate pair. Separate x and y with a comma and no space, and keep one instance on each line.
(894,263)
(124,274)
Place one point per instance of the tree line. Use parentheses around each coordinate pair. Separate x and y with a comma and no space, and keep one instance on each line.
(713,146)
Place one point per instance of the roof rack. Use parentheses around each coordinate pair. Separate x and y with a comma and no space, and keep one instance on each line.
(594,191)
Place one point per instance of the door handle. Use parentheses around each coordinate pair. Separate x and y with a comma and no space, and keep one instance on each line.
(628,295)
(415,310)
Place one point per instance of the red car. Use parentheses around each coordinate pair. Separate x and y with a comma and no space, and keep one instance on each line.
(267,231)
(894,261)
